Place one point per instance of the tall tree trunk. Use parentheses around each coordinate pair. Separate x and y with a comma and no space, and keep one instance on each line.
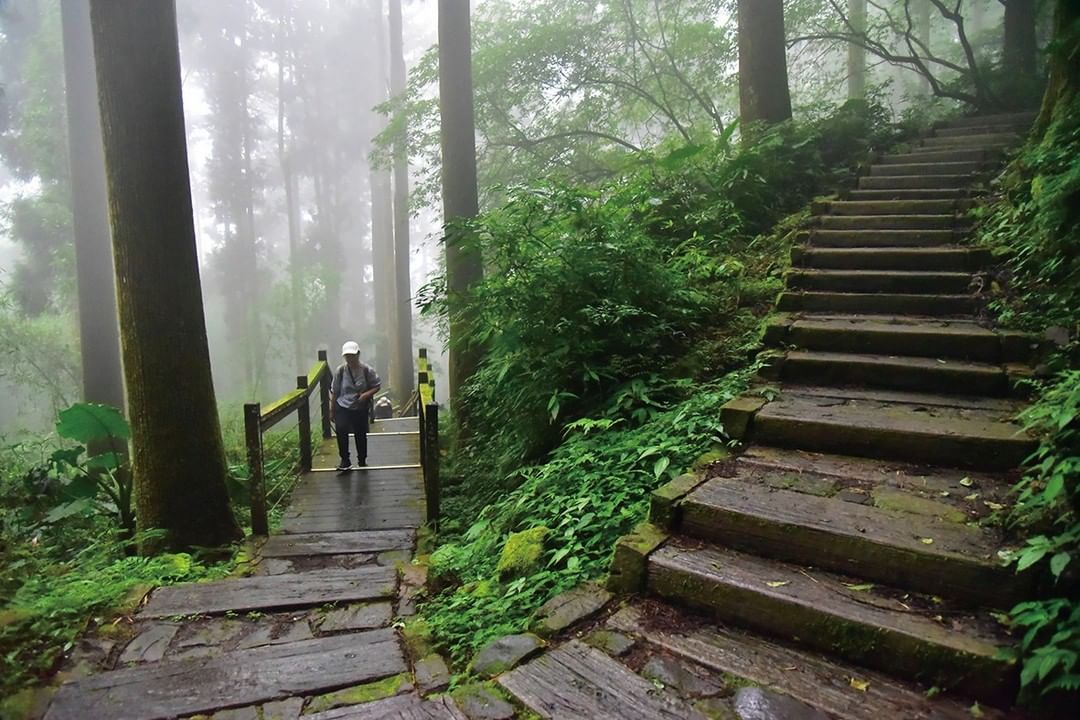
(464,266)
(1020,46)
(401,379)
(763,82)
(292,210)
(1063,83)
(382,216)
(179,462)
(856,59)
(99,328)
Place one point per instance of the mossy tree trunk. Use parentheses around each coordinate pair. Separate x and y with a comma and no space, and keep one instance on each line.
(1063,84)
(763,82)
(856,59)
(99,328)
(464,266)
(401,379)
(178,458)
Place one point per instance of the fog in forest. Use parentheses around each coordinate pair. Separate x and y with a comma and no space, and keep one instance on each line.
(280,101)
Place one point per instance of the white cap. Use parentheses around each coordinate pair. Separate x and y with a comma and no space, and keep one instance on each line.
(350,348)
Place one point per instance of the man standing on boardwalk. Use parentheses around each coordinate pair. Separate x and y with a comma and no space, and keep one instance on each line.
(354,384)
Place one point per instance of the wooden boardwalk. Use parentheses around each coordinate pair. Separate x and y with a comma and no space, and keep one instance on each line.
(315,617)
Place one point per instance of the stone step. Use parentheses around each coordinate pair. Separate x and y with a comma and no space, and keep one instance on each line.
(918,207)
(828,238)
(875,627)
(882,542)
(986,140)
(966,130)
(884,335)
(941,155)
(937,305)
(808,677)
(968,167)
(1016,119)
(913,194)
(272,592)
(947,434)
(893,372)
(879,281)
(888,222)
(577,681)
(924,259)
(873,182)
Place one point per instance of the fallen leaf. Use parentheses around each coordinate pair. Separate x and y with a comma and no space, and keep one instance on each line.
(945,493)
(926,541)
(972,497)
(860,685)
(859,588)
(778,583)
(976,711)
(791,668)
(966,482)
(993,505)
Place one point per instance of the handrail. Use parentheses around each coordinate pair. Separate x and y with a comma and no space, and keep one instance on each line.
(428,418)
(257,421)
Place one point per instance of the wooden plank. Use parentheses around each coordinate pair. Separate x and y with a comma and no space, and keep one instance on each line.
(267,592)
(804,676)
(402,707)
(337,543)
(576,681)
(202,685)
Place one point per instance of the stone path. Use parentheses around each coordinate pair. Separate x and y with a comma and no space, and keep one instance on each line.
(309,633)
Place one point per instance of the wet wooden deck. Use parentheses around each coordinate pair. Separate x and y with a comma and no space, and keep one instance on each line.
(389,493)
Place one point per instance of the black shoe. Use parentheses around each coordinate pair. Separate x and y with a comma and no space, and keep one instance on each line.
(362,463)
(344,466)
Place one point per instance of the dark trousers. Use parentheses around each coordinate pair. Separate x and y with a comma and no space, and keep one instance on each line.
(351,422)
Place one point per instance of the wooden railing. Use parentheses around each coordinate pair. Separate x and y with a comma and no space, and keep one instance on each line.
(428,412)
(258,420)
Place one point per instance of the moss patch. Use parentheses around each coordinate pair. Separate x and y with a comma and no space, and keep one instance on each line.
(522,552)
(368,692)
(889,499)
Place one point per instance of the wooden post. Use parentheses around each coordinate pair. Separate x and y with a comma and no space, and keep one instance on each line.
(304,424)
(431,465)
(260,524)
(324,395)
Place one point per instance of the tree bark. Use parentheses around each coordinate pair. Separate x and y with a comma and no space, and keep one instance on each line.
(99,328)
(460,198)
(1020,46)
(763,83)
(288,177)
(856,59)
(382,216)
(922,32)
(401,379)
(1063,83)
(178,458)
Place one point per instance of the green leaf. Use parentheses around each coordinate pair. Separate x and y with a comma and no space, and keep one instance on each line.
(82,487)
(677,157)
(66,510)
(660,466)
(1059,562)
(90,422)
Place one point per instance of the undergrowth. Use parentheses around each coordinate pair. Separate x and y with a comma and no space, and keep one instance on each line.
(614,322)
(1034,227)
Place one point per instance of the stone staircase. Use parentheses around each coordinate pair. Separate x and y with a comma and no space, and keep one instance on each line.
(859,522)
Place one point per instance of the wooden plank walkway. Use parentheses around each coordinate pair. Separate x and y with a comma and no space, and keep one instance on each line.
(319,610)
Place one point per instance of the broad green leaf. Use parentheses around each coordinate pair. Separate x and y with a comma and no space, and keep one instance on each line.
(661,465)
(90,422)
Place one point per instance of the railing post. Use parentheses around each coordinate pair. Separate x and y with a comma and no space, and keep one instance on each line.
(431,464)
(260,524)
(304,424)
(324,395)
